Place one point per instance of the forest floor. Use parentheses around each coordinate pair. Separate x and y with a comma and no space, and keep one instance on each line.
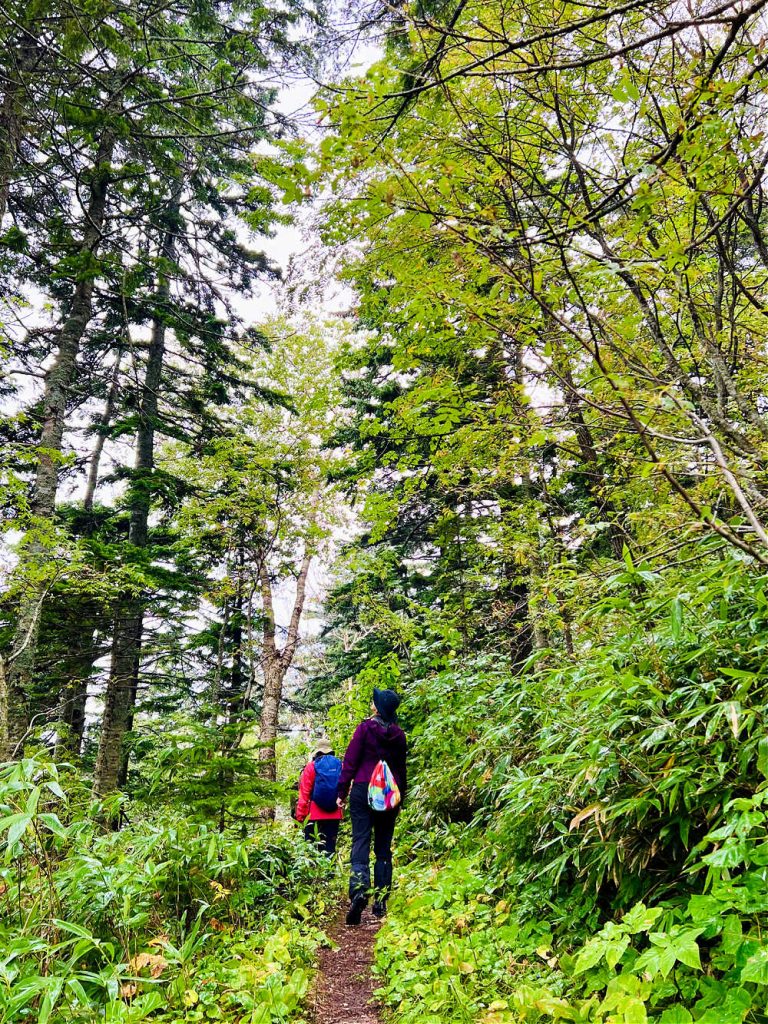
(345,985)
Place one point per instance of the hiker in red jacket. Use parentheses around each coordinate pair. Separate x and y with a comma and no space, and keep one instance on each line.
(321,825)
(378,738)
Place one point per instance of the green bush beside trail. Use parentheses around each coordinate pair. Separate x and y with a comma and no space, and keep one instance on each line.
(596,843)
(168,919)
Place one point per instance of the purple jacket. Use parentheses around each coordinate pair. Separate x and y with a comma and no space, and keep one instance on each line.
(372,742)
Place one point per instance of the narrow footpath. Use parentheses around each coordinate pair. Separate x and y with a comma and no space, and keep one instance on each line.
(344,990)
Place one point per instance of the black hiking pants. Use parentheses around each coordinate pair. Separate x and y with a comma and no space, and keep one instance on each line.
(323,834)
(367,825)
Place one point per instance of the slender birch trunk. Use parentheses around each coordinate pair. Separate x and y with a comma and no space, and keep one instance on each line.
(277,662)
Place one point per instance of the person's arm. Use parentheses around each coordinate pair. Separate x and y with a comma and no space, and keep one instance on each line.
(306,785)
(351,762)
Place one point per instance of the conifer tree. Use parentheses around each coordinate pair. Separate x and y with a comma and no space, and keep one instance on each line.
(113,122)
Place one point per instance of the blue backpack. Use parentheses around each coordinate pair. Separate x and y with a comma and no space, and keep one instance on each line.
(327,772)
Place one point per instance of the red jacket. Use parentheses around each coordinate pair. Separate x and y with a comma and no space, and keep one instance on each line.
(306,806)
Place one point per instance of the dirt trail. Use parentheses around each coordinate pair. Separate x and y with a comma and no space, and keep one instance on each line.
(345,986)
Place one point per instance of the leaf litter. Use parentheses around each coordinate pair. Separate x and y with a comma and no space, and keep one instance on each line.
(345,985)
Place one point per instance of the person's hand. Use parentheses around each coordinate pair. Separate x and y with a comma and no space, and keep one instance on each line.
(339,803)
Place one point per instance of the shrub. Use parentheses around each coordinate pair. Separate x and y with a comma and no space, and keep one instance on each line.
(613,815)
(167,917)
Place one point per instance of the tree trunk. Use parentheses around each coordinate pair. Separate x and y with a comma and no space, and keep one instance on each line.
(136,642)
(103,422)
(117,702)
(122,685)
(12,111)
(235,691)
(594,477)
(276,663)
(539,633)
(43,504)
(274,676)
(3,709)
(74,718)
(77,670)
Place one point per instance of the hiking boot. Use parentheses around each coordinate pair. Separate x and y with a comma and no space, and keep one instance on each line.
(355,912)
(379,909)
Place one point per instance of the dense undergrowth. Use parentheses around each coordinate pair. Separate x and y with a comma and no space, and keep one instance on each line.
(168,919)
(588,836)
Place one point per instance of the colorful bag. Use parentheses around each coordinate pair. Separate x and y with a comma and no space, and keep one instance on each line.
(383,791)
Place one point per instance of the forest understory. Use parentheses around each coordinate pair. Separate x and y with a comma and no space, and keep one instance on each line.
(417,346)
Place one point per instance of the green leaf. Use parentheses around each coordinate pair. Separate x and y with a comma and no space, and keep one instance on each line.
(625,90)
(633,1011)
(732,935)
(640,918)
(626,554)
(676,1015)
(756,968)
(73,929)
(589,955)
(732,1010)
(33,799)
(49,999)
(676,618)
(732,854)
(686,949)
(52,822)
(77,987)
(732,710)
(17,830)
(615,950)
(555,1007)
(56,789)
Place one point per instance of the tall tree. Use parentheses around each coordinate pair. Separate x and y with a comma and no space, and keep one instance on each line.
(263,498)
(121,688)
(540,285)
(140,101)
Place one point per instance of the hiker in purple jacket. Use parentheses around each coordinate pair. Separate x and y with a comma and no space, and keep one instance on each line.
(378,738)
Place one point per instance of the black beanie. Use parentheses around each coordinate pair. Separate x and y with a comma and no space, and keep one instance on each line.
(386,702)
